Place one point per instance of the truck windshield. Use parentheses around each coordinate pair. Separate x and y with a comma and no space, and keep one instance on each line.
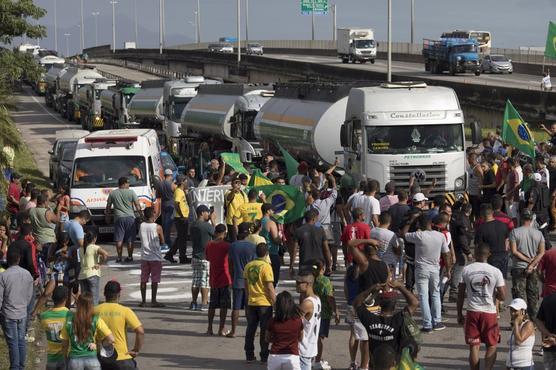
(364,44)
(104,172)
(414,139)
(464,49)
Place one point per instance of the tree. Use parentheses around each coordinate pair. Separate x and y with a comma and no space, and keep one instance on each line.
(14,20)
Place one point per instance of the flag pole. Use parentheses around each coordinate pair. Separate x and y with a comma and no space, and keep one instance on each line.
(543,61)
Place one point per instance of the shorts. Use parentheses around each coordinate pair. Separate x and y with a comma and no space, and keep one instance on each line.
(200,273)
(481,327)
(220,298)
(240,300)
(124,230)
(355,324)
(152,269)
(324,329)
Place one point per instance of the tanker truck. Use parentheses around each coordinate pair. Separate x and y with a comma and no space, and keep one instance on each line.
(51,80)
(114,103)
(397,130)
(224,115)
(305,119)
(145,108)
(89,104)
(46,62)
(68,86)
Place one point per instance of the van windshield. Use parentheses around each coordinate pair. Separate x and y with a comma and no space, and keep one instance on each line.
(414,139)
(104,172)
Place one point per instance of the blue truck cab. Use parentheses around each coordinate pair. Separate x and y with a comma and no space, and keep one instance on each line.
(451,54)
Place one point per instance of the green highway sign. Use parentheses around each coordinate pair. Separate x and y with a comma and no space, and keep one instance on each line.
(321,7)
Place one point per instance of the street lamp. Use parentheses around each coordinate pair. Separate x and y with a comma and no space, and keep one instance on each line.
(136,28)
(412,21)
(193,24)
(160,26)
(113,2)
(82,29)
(246,22)
(67,44)
(95,14)
(55,26)
(333,22)
(389,51)
(313,20)
(163,18)
(238,32)
(198,21)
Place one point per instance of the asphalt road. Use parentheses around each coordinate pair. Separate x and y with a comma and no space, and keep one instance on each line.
(175,337)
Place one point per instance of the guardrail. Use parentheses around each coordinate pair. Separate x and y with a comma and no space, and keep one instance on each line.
(158,70)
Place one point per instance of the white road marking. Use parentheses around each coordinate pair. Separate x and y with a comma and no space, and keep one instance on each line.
(48,112)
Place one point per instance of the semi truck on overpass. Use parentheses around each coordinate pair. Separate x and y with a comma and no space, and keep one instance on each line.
(452,55)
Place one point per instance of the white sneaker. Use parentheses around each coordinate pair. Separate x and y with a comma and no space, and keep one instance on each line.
(323,365)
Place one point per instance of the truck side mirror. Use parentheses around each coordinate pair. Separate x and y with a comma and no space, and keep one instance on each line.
(346,134)
(476,136)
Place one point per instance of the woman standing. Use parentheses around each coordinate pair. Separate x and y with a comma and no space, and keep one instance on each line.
(91,257)
(522,338)
(285,331)
(80,333)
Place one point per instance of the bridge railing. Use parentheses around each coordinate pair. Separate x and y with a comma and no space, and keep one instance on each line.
(157,70)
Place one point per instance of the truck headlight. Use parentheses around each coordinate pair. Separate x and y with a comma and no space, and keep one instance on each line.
(357,51)
(459,183)
(458,57)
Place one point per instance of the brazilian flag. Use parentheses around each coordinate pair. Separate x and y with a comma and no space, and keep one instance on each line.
(550,47)
(285,198)
(258,179)
(515,131)
(407,363)
(291,163)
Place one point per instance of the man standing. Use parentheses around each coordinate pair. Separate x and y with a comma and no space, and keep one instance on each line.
(430,245)
(14,193)
(311,309)
(152,237)
(202,231)
(399,212)
(495,234)
(16,289)
(181,221)
(119,319)
(259,286)
(192,181)
(527,247)
(234,198)
(368,203)
(52,322)
(359,229)
(166,190)
(547,272)
(311,243)
(482,283)
(475,175)
(125,204)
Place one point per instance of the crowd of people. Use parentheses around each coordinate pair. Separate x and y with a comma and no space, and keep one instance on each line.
(414,244)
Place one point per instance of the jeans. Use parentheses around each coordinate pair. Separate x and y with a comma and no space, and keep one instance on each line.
(56,365)
(527,287)
(14,332)
(83,363)
(167,220)
(427,279)
(91,285)
(305,362)
(549,360)
(275,262)
(257,315)
(181,240)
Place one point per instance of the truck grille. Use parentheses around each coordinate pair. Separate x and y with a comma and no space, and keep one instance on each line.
(401,175)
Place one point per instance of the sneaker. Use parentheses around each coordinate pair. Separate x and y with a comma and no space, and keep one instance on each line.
(170,259)
(202,307)
(445,319)
(426,330)
(118,260)
(193,306)
(439,327)
(251,359)
(129,259)
(164,248)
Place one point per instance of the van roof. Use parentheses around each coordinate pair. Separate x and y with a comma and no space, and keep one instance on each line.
(122,132)
(71,134)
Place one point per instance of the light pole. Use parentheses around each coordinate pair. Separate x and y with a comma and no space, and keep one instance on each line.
(194,24)
(136,29)
(333,22)
(55,26)
(95,14)
(238,32)
(160,11)
(313,20)
(412,21)
(67,44)
(163,24)
(198,21)
(113,2)
(389,51)
(82,29)
(246,23)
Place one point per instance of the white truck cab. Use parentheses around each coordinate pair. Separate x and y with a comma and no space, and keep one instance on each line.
(356,45)
(103,157)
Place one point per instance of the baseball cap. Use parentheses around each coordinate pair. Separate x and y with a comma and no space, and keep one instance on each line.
(202,208)
(537,177)
(518,304)
(419,197)
(168,172)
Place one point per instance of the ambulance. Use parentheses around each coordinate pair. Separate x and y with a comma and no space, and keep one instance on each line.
(103,157)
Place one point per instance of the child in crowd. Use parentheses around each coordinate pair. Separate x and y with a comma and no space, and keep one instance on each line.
(152,237)
(91,257)
(63,203)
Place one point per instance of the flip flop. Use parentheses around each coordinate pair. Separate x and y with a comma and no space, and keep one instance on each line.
(224,333)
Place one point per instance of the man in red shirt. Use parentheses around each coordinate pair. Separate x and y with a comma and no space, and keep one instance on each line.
(219,278)
(547,270)
(497,202)
(359,229)
(14,193)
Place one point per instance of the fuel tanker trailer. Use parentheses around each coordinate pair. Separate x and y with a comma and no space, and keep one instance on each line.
(51,79)
(145,108)
(68,87)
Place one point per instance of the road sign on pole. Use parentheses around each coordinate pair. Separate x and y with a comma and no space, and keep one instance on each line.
(321,7)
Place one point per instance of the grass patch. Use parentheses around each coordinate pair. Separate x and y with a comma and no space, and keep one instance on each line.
(26,166)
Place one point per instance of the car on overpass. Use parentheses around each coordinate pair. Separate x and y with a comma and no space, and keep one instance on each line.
(254,49)
(221,47)
(496,64)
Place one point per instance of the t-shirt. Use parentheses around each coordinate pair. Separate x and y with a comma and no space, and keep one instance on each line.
(356,230)
(119,318)
(369,204)
(376,273)
(89,262)
(81,349)
(398,212)
(258,274)
(241,253)
(249,212)
(75,231)
(324,289)
(481,280)
(233,206)
(52,322)
(547,314)
(547,265)
(285,336)
(122,201)
(323,206)
(182,211)
(14,191)
(488,179)
(310,239)
(382,329)
(527,240)
(201,233)
(494,233)
(387,242)
(150,242)
(166,194)
(217,255)
(387,201)
(429,244)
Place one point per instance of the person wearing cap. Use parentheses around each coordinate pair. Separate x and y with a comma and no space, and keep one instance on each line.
(202,231)
(119,320)
(166,192)
(522,338)
(482,284)
(125,204)
(527,248)
(302,171)
(181,222)
(234,198)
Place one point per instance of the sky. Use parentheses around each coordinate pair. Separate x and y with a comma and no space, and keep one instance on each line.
(513,23)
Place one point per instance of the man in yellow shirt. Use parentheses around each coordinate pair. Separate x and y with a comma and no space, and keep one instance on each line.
(233,200)
(259,287)
(181,221)
(250,211)
(118,318)
(52,321)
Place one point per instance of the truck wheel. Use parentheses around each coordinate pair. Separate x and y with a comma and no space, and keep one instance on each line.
(362,61)
(477,73)
(345,60)
(372,61)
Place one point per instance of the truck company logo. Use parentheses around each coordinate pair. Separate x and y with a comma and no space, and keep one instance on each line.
(416,156)
(416,115)
(95,200)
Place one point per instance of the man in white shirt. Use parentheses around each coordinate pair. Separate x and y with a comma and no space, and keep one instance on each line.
(546,84)
(483,284)
(368,203)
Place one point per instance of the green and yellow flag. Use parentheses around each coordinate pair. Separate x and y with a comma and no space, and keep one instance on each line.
(515,131)
(291,163)
(550,48)
(287,201)
(259,179)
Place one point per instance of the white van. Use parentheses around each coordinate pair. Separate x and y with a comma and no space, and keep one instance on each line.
(102,157)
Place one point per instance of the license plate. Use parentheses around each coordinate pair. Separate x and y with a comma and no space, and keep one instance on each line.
(106,229)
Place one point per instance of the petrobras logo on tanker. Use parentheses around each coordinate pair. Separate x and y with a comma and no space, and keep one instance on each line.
(210,196)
